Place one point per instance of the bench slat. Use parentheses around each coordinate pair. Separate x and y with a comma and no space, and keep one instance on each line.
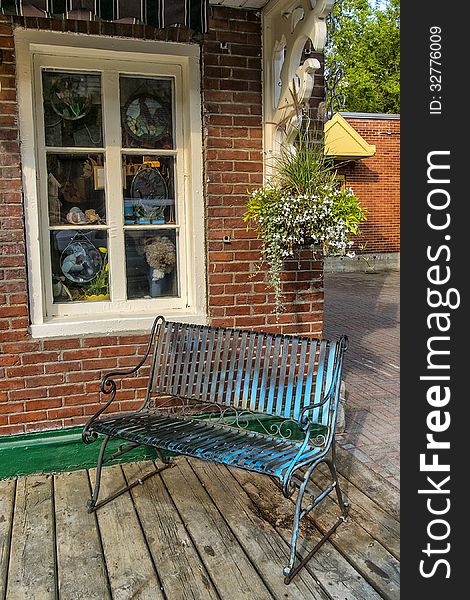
(200,361)
(300,377)
(310,373)
(193,359)
(282,376)
(173,357)
(272,379)
(231,369)
(164,360)
(291,378)
(207,372)
(240,369)
(263,385)
(256,371)
(187,358)
(248,371)
(323,415)
(223,368)
(179,360)
(216,366)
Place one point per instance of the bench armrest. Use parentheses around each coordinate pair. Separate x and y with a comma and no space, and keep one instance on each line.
(304,421)
(108,383)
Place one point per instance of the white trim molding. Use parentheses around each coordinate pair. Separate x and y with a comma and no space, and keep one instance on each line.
(371,116)
(287,26)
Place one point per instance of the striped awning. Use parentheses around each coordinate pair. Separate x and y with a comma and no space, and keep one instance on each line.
(158,13)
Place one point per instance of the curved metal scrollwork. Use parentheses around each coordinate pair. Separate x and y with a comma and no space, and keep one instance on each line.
(108,384)
(230,416)
(319,440)
(286,429)
(107,387)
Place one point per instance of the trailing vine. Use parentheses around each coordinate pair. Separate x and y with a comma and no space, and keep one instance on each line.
(302,204)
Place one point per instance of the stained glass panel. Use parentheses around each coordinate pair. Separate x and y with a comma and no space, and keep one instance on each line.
(72,109)
(146,112)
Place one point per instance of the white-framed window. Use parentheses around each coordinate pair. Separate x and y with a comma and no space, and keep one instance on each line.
(112,173)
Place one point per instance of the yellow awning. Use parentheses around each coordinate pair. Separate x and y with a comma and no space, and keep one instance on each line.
(343,141)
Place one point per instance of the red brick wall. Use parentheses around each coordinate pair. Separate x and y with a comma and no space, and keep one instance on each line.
(232,105)
(376,182)
(13,298)
(47,384)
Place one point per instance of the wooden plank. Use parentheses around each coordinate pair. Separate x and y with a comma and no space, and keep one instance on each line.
(130,568)
(370,483)
(31,574)
(229,567)
(7,503)
(332,570)
(370,515)
(81,566)
(367,555)
(265,547)
(181,571)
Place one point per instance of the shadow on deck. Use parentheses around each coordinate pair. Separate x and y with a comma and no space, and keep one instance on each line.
(198,530)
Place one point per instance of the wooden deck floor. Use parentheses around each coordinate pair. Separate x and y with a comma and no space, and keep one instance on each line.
(196,531)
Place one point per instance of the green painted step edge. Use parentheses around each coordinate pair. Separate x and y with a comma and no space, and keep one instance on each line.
(58,450)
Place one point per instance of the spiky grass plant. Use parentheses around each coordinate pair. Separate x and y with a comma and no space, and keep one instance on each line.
(302,204)
(301,168)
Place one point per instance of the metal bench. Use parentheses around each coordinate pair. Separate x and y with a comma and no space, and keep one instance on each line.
(257,401)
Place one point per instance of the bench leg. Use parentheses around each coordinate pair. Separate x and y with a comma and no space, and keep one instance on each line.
(344,506)
(290,571)
(93,503)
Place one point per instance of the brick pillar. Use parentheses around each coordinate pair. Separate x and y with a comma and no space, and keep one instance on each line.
(233,149)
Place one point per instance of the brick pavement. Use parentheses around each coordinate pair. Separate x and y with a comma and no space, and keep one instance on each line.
(365,306)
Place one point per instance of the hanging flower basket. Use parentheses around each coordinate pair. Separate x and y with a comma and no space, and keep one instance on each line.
(302,204)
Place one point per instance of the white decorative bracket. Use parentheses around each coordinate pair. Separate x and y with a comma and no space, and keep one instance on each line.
(288,84)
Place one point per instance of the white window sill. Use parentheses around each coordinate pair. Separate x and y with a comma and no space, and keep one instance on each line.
(109,324)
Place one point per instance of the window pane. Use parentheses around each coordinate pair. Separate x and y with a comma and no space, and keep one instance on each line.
(151,263)
(149,195)
(72,109)
(146,112)
(79,265)
(75,187)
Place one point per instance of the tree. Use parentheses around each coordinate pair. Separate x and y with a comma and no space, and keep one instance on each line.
(365,44)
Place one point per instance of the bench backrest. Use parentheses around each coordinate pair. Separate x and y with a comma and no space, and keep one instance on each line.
(263,372)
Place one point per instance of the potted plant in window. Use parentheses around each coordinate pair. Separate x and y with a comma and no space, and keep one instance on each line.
(300,204)
(98,288)
(160,254)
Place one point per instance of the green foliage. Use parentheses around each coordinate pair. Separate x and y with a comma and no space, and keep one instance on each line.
(302,204)
(366,45)
(303,168)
